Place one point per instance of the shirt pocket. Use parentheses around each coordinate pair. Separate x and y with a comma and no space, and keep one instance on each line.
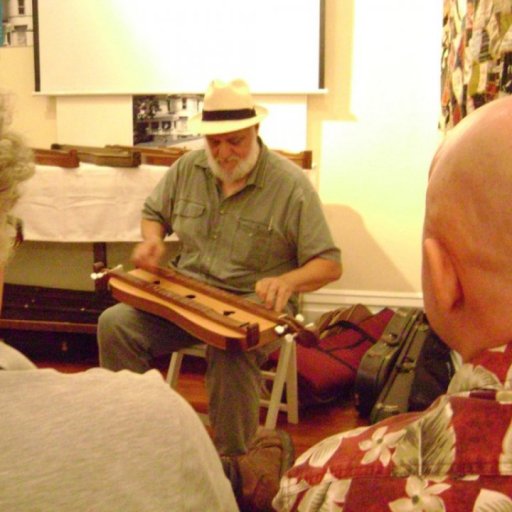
(190,223)
(251,244)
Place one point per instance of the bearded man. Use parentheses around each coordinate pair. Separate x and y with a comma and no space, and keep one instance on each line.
(249,222)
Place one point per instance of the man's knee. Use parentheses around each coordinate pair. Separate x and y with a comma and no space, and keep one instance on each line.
(119,345)
(112,318)
(106,318)
(112,323)
(106,323)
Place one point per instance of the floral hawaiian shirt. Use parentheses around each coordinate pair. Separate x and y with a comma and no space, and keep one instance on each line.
(455,456)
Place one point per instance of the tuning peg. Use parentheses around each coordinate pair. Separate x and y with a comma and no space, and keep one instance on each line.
(102,271)
(280,329)
(97,275)
(299,318)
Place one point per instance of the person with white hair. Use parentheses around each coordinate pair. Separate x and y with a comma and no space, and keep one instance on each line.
(249,222)
(457,454)
(16,166)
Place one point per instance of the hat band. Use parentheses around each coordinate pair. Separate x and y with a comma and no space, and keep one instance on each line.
(228,115)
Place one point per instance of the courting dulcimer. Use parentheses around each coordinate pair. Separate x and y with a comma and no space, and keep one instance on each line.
(214,316)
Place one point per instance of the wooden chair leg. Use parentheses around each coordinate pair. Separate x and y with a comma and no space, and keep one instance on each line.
(173,373)
(279,382)
(292,391)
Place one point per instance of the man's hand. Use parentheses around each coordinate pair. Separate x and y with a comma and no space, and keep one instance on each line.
(148,253)
(274,292)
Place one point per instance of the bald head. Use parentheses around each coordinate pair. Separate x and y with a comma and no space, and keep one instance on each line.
(470,187)
(468,223)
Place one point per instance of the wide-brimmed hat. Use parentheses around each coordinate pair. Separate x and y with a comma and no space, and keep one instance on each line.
(227,107)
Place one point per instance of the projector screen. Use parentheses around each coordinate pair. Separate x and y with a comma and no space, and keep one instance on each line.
(171,46)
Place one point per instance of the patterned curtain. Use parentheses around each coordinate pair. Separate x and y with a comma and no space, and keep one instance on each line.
(476,62)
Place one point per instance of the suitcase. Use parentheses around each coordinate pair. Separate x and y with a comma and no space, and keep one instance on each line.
(379,361)
(395,395)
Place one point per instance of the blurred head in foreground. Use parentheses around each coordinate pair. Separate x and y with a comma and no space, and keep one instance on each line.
(467,239)
(16,165)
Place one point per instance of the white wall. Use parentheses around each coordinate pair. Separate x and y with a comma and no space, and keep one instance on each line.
(34,117)
(375,164)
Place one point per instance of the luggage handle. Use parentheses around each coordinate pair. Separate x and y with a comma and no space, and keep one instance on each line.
(350,325)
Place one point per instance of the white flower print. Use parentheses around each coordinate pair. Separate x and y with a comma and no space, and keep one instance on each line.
(289,490)
(491,500)
(326,497)
(428,446)
(470,478)
(315,499)
(338,492)
(501,349)
(320,453)
(508,379)
(470,377)
(505,460)
(504,397)
(421,498)
(378,447)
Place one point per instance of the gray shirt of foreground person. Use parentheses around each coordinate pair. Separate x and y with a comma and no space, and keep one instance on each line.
(103,441)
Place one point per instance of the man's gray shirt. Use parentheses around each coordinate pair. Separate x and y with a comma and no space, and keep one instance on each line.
(273,225)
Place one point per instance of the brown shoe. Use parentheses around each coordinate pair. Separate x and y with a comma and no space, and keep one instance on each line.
(260,470)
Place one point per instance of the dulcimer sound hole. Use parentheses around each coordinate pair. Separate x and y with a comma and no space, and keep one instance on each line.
(227,313)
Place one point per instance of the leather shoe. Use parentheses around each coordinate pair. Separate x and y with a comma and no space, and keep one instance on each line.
(270,455)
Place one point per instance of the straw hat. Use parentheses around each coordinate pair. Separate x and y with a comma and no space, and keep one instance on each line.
(227,107)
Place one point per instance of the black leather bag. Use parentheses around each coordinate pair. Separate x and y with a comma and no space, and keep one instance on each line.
(378,362)
(406,370)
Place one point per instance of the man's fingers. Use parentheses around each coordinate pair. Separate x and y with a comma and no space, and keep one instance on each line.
(269,295)
(281,299)
(276,296)
(273,292)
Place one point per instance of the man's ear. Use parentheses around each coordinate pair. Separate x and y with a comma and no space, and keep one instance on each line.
(445,281)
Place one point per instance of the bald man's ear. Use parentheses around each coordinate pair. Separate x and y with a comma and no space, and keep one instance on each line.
(445,280)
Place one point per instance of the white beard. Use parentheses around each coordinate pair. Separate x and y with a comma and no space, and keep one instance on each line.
(241,170)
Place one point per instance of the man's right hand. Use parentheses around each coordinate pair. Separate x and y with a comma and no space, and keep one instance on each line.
(148,253)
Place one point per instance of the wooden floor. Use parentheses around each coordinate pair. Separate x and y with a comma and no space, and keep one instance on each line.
(315,423)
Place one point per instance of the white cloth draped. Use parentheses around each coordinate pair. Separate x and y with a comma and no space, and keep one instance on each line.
(87,204)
